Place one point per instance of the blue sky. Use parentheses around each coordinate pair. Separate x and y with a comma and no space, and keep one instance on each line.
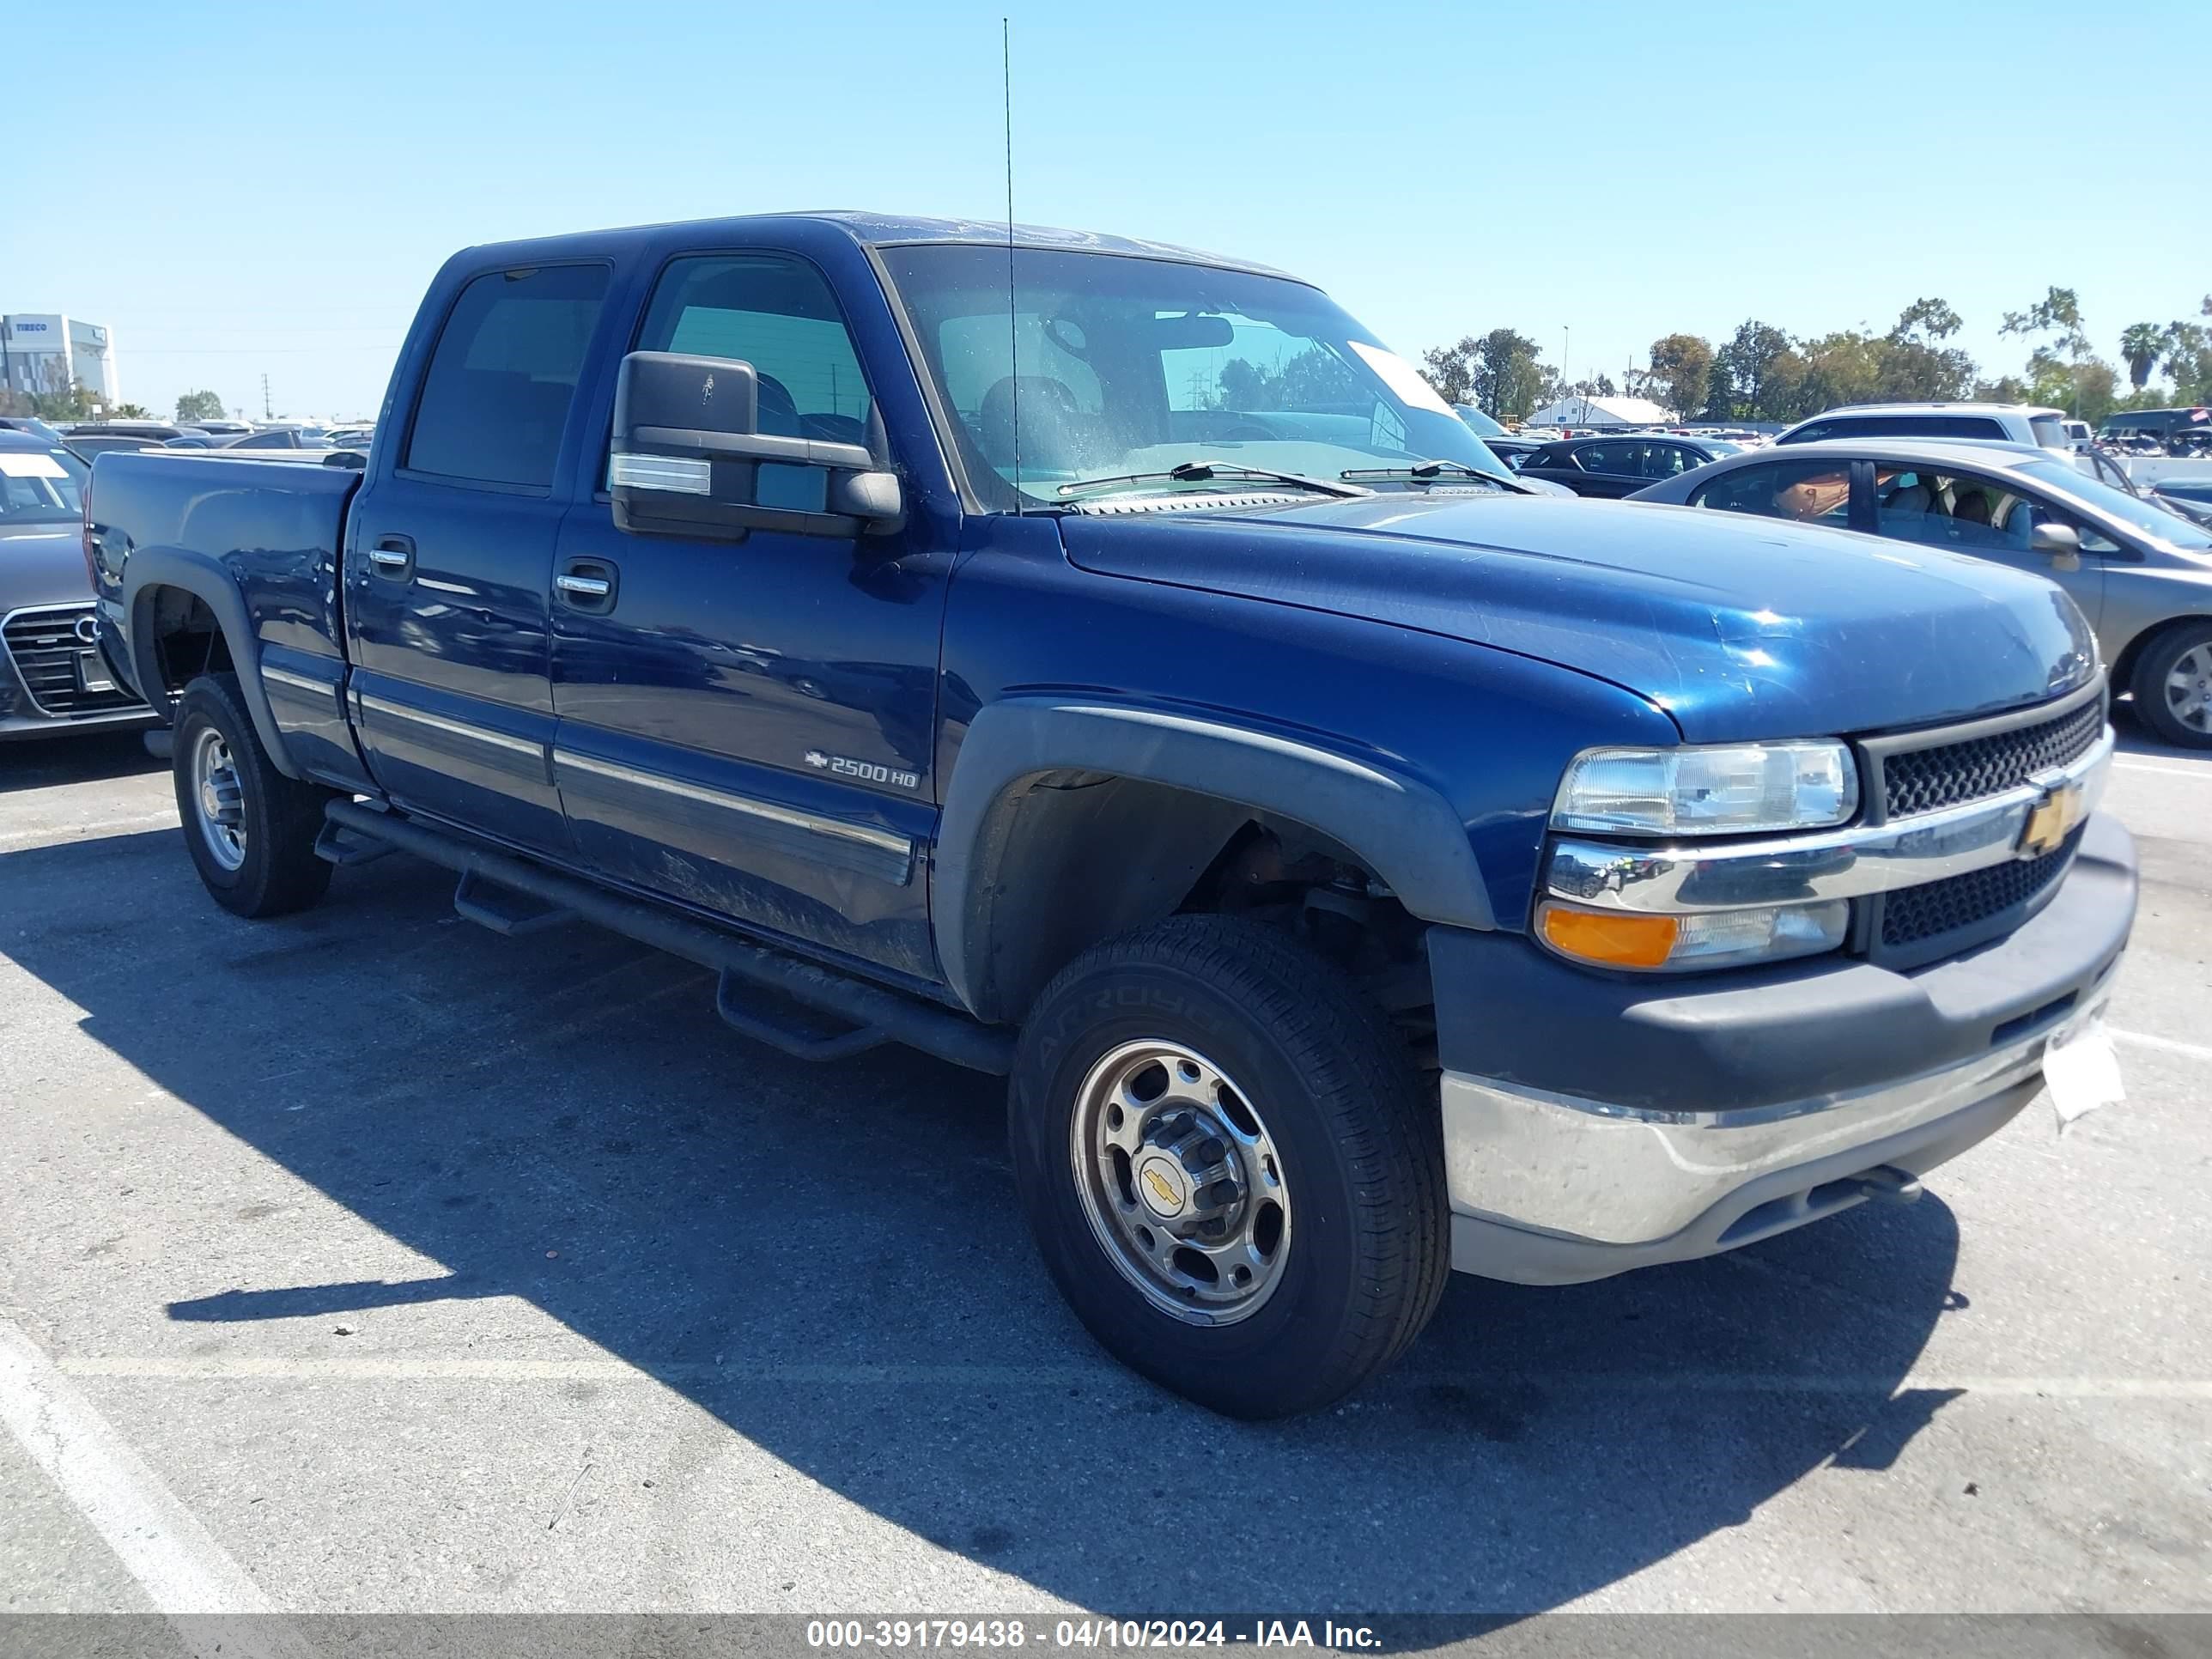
(1624,170)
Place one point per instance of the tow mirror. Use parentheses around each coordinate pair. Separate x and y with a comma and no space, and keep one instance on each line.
(2060,542)
(689,459)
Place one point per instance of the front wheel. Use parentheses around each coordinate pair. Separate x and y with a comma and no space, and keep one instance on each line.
(1233,1172)
(250,830)
(2172,683)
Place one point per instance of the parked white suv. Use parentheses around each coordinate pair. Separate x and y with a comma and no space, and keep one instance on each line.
(2014,423)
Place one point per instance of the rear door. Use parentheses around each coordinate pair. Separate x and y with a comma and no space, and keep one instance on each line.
(449,559)
(1608,468)
(746,727)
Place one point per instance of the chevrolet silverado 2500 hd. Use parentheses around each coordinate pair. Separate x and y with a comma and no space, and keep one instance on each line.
(1108,666)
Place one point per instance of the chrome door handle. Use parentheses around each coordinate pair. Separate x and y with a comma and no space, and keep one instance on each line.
(583,587)
(385,558)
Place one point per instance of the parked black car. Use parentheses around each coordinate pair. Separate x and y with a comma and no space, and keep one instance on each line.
(1621,464)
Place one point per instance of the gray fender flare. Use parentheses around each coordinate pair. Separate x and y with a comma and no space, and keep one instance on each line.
(1405,830)
(152,568)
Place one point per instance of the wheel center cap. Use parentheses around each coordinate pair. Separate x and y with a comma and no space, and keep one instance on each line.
(1165,1186)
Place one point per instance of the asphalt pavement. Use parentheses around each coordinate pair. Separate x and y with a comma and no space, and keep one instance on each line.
(366,1261)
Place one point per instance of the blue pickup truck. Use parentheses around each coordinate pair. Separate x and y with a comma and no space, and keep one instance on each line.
(1108,666)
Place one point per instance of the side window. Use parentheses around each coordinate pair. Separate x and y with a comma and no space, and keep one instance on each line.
(503,374)
(1963,511)
(1667,461)
(778,314)
(1602,458)
(2093,540)
(1814,492)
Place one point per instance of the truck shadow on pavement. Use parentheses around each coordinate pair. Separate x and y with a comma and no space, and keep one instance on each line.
(831,1262)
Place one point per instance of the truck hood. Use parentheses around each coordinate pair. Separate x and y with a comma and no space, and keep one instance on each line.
(43,565)
(1739,627)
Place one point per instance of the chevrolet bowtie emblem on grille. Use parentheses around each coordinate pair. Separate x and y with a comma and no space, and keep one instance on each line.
(2050,820)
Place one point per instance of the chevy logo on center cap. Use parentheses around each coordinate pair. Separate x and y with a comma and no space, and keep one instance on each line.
(2050,820)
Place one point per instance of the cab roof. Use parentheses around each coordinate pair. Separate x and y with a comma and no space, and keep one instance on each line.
(876,230)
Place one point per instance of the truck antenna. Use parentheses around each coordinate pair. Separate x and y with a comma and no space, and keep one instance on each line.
(1013,329)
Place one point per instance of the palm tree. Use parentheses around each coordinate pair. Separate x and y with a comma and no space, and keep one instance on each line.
(2141,344)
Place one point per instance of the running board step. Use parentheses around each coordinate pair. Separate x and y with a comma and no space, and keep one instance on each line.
(346,847)
(751,1008)
(503,910)
(865,1007)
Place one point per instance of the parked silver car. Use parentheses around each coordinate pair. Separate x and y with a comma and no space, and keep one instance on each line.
(2141,575)
(52,678)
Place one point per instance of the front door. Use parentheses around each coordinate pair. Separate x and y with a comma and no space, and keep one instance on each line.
(450,557)
(746,727)
(1988,516)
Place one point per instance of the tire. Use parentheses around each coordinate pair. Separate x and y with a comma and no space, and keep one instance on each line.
(1362,1236)
(2169,710)
(266,864)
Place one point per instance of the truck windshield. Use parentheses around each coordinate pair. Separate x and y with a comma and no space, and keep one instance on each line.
(41,486)
(1106,364)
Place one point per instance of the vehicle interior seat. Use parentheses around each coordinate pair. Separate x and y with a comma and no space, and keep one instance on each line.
(1971,507)
(1913,499)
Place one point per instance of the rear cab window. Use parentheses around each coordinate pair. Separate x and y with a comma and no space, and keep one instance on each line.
(495,396)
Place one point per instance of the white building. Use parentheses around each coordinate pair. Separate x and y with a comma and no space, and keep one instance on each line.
(1579,412)
(44,351)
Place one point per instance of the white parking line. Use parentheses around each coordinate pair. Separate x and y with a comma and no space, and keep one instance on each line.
(189,1577)
(61,835)
(372,1368)
(2164,1045)
(2203,775)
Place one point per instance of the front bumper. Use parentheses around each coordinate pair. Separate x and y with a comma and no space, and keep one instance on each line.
(30,659)
(1593,1123)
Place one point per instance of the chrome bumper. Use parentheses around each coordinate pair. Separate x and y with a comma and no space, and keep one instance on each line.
(1619,1176)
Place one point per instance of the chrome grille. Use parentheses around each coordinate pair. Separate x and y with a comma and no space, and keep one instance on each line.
(1927,779)
(43,644)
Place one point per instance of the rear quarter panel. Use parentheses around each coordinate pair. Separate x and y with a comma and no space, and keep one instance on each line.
(257,542)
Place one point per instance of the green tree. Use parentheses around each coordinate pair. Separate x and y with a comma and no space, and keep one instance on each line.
(1451,368)
(1681,369)
(71,402)
(2141,344)
(130,412)
(1914,365)
(1508,378)
(1741,368)
(2186,349)
(198,406)
(2096,389)
(2057,313)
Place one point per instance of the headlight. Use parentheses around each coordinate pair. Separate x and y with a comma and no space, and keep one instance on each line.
(1712,939)
(1731,790)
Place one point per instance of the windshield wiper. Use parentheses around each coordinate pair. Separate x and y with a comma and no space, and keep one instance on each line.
(1202,472)
(1428,472)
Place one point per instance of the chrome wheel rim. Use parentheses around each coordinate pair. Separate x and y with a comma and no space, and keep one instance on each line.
(1181,1183)
(218,798)
(2189,689)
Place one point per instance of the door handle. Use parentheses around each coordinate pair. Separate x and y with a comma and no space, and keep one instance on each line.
(393,556)
(587,585)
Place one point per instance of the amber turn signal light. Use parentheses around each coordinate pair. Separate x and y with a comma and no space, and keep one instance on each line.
(1609,938)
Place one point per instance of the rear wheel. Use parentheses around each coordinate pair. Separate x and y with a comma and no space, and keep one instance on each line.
(2172,685)
(1233,1171)
(250,830)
